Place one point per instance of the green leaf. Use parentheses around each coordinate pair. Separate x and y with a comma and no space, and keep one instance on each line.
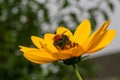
(46,12)
(105,15)
(62,23)
(74,17)
(111,6)
(93,22)
(65,4)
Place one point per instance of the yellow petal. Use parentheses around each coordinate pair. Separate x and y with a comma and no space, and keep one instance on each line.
(49,41)
(74,52)
(66,54)
(26,49)
(41,43)
(62,55)
(65,31)
(82,32)
(36,40)
(102,41)
(77,51)
(49,36)
(39,56)
(90,41)
(104,26)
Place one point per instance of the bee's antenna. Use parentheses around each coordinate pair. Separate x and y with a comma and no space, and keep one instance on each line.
(64,31)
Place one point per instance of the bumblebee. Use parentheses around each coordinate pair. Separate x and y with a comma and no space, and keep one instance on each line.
(62,42)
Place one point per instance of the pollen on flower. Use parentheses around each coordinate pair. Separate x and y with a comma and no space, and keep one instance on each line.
(62,42)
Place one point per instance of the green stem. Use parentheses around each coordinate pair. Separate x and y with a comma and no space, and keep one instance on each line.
(77,72)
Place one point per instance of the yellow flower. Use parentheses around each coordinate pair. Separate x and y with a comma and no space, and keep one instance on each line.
(67,46)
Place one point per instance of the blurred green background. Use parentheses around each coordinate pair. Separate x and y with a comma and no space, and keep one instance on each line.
(19,19)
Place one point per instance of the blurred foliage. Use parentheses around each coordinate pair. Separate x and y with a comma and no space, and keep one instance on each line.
(19,19)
